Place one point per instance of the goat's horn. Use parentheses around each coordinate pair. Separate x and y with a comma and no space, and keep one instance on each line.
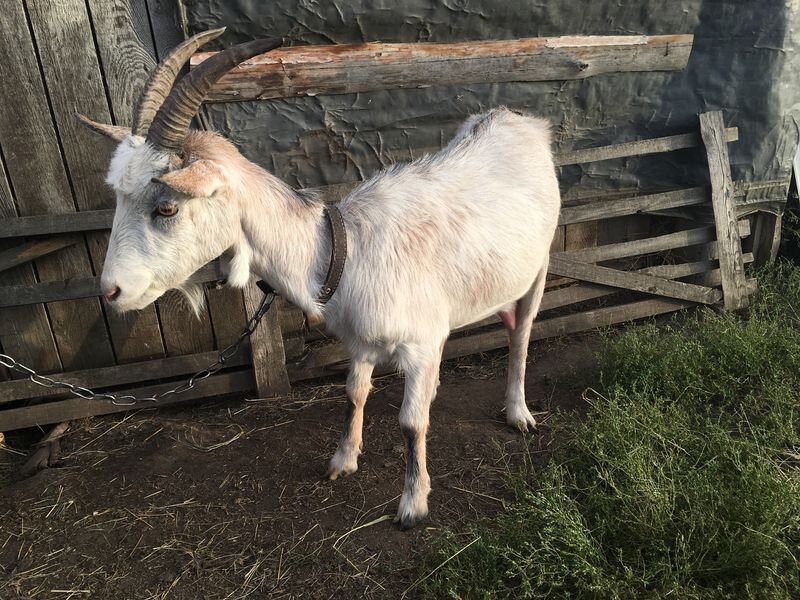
(163,76)
(171,123)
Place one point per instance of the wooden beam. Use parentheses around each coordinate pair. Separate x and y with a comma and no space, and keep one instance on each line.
(332,360)
(638,148)
(638,282)
(620,207)
(109,377)
(87,220)
(350,68)
(659,243)
(730,245)
(24,253)
(269,356)
(78,408)
(71,289)
(583,292)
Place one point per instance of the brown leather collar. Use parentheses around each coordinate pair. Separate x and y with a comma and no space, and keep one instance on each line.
(338,253)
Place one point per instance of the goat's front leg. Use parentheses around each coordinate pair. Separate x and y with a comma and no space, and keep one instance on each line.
(422,378)
(359,382)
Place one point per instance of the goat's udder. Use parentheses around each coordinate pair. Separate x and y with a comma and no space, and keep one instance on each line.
(509,318)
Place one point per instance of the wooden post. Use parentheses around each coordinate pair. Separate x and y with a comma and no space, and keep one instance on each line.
(269,357)
(734,285)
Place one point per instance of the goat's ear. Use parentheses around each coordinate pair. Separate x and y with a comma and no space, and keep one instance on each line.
(200,179)
(115,132)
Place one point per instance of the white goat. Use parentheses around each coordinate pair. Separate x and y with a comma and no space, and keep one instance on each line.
(433,245)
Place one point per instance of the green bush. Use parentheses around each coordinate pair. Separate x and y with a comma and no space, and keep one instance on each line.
(683,481)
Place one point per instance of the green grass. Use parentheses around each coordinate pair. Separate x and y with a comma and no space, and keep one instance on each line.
(683,480)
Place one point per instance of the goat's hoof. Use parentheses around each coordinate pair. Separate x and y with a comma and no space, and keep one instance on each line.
(412,510)
(409,521)
(524,427)
(334,474)
(521,419)
(341,467)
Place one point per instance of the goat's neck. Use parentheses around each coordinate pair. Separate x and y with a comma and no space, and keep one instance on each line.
(284,239)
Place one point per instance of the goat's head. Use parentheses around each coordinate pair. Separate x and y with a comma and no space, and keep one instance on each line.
(171,184)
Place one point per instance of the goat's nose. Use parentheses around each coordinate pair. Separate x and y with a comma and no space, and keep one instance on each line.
(112,293)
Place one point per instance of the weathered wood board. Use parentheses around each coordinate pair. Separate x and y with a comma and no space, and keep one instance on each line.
(40,184)
(349,68)
(730,245)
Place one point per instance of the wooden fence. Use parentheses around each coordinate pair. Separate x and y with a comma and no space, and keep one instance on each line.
(607,267)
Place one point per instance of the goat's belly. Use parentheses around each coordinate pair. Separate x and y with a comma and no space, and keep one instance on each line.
(492,294)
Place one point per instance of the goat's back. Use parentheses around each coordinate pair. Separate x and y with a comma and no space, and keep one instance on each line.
(457,235)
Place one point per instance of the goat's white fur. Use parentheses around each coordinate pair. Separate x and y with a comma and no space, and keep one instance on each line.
(433,245)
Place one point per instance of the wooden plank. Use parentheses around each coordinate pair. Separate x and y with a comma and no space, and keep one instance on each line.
(70,289)
(730,245)
(78,408)
(638,282)
(638,148)
(24,331)
(576,237)
(124,53)
(34,165)
(228,317)
(24,253)
(584,292)
(167,20)
(687,269)
(140,21)
(56,223)
(269,357)
(669,241)
(766,237)
(571,295)
(184,331)
(350,68)
(110,377)
(631,206)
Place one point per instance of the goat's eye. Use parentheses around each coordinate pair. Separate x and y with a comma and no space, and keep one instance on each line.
(167,210)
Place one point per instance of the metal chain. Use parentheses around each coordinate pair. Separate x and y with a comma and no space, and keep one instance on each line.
(129,400)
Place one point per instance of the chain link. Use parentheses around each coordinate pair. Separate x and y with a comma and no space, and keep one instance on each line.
(129,400)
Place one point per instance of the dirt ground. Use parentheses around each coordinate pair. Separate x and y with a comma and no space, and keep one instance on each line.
(226,499)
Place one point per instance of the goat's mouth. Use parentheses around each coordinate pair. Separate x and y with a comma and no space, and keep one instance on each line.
(129,302)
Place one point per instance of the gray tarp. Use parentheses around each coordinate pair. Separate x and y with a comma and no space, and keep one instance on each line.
(744,61)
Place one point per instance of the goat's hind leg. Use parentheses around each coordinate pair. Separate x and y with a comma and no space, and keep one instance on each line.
(421,366)
(359,383)
(517,413)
